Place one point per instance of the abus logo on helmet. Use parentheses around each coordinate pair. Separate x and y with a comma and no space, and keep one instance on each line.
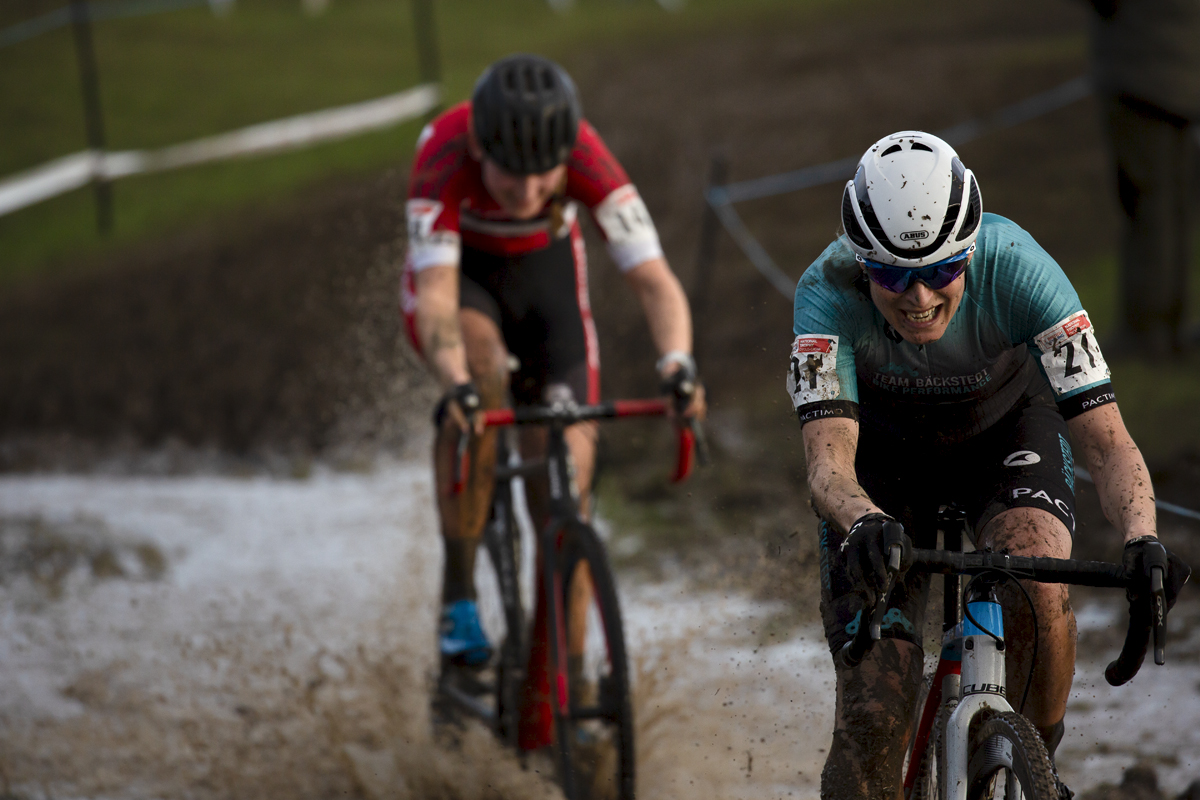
(910,236)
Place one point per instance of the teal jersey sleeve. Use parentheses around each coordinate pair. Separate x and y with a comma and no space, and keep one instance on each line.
(821,369)
(1035,304)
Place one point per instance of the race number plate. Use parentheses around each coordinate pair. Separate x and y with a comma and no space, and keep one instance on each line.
(1070,355)
(812,369)
(624,218)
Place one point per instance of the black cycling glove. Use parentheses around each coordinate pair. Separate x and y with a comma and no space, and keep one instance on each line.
(465,396)
(865,550)
(1139,556)
(682,383)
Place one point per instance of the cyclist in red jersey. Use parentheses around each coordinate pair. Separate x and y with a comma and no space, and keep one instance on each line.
(495,290)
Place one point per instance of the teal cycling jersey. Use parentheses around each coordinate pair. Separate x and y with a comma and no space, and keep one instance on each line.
(1020,335)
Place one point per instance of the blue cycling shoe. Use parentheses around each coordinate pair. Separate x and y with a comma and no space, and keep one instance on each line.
(461,637)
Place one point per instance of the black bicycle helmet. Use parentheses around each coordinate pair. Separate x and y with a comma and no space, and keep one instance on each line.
(526,114)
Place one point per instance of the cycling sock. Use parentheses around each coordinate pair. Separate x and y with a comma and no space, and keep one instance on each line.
(458,576)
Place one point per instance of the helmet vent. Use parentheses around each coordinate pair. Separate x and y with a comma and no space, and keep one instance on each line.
(525,114)
(921,146)
(850,223)
(893,149)
(974,213)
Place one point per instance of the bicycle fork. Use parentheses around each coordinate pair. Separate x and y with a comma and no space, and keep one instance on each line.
(982,686)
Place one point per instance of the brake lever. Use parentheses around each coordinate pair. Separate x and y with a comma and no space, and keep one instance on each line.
(888,586)
(1159,620)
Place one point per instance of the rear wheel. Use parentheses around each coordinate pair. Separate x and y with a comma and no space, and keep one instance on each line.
(595,723)
(1009,760)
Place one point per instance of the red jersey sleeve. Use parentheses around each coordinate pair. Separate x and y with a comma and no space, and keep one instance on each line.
(597,180)
(435,190)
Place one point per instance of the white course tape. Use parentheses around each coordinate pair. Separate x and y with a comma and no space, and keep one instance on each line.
(54,178)
(72,172)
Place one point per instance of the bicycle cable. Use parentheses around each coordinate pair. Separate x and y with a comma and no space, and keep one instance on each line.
(1008,576)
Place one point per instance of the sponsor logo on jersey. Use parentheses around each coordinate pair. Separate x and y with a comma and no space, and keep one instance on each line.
(1100,400)
(1022,458)
(1040,494)
(1068,458)
(912,236)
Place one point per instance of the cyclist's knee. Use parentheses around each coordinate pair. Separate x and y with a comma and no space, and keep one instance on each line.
(1026,531)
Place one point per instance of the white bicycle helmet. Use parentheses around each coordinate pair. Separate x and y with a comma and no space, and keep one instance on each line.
(911,202)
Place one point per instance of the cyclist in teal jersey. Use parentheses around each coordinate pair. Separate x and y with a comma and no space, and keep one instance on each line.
(942,355)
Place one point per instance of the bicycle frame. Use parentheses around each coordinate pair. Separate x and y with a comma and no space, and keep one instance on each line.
(971,667)
(982,686)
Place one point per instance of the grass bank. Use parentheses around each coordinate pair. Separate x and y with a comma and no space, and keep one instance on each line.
(176,76)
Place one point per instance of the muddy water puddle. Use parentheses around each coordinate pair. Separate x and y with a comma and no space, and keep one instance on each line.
(214,637)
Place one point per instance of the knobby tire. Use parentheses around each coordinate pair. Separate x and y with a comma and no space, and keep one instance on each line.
(595,745)
(501,538)
(1007,746)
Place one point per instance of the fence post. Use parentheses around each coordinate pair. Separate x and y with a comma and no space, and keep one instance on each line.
(81,26)
(707,255)
(428,58)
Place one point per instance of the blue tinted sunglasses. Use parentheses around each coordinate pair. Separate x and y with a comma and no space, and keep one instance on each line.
(936,276)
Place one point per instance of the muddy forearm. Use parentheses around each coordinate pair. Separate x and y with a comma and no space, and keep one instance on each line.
(1122,479)
(830,447)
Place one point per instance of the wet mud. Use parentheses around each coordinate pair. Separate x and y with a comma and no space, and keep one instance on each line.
(260,624)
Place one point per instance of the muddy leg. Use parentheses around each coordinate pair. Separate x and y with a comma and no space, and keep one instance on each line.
(464,515)
(872,725)
(1033,532)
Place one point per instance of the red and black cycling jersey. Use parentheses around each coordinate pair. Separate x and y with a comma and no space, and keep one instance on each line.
(449,208)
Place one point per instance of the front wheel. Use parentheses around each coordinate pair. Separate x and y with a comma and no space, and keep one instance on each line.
(1009,760)
(931,779)
(595,720)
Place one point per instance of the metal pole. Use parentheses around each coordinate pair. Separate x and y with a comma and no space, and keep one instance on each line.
(81,25)
(429,61)
(707,255)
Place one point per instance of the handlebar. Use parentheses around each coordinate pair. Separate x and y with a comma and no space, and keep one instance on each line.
(691,436)
(1142,622)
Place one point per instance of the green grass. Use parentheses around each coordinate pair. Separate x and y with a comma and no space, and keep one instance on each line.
(176,76)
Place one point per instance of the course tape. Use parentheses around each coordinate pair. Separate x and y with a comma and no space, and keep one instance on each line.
(1039,105)
(75,171)
(721,198)
(1163,504)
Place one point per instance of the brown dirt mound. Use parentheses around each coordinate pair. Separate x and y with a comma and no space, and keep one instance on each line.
(281,334)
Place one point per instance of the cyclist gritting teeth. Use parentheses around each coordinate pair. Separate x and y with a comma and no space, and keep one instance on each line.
(923,316)
(908,404)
